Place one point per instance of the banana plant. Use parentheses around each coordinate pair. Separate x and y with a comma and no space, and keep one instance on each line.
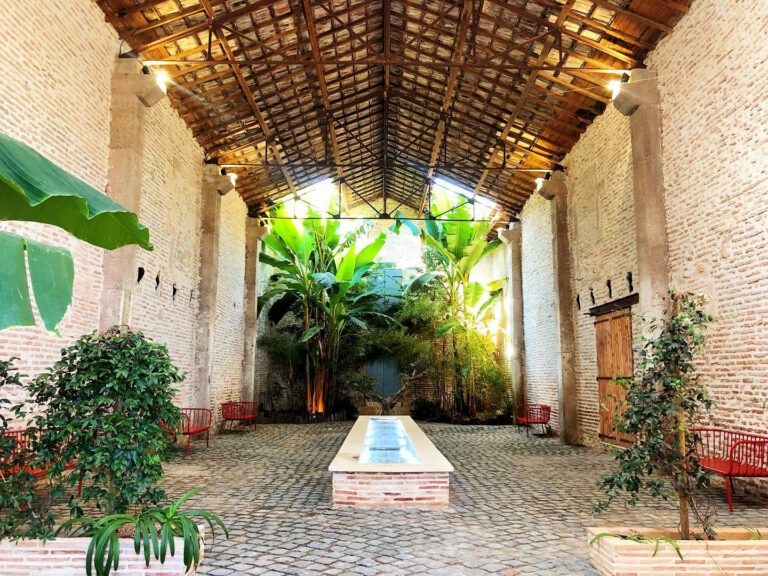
(459,244)
(318,269)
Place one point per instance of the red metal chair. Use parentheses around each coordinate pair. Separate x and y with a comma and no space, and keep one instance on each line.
(196,421)
(732,454)
(23,451)
(244,412)
(534,414)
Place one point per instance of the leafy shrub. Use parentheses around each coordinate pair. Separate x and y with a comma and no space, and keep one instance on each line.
(105,402)
(424,409)
(24,511)
(662,402)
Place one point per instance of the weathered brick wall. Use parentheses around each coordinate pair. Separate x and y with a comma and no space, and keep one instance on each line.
(59,105)
(539,328)
(714,114)
(714,105)
(227,370)
(58,102)
(601,229)
(164,303)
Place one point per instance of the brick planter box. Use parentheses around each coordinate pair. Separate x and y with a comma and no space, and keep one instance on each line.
(391,489)
(66,557)
(733,554)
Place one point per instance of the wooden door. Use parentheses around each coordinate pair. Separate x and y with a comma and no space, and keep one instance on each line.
(613,332)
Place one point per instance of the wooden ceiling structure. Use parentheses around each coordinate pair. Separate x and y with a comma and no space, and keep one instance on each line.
(385,95)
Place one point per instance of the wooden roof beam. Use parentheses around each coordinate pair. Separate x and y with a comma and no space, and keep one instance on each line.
(548,45)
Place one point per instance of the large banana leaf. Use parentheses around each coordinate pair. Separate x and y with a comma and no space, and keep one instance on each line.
(34,189)
(51,272)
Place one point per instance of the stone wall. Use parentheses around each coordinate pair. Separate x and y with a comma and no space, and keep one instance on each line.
(714,113)
(59,102)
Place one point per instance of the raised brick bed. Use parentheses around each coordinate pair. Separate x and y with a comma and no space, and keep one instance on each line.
(391,489)
(733,554)
(66,557)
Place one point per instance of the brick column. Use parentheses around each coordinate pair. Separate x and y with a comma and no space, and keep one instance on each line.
(132,93)
(254,232)
(639,99)
(214,186)
(556,191)
(513,260)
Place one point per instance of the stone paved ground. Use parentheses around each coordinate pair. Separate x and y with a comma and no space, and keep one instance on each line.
(519,506)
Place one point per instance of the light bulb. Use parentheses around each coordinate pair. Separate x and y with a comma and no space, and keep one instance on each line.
(539,183)
(163,79)
(615,87)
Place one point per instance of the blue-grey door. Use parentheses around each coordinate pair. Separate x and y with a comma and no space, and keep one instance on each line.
(386,374)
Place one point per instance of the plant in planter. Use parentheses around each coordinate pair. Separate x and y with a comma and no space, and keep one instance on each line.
(104,404)
(663,402)
(154,532)
(105,407)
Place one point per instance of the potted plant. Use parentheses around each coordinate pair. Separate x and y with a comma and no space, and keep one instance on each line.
(104,412)
(663,403)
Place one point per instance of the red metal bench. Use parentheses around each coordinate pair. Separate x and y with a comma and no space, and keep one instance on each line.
(196,421)
(732,454)
(244,412)
(23,450)
(534,414)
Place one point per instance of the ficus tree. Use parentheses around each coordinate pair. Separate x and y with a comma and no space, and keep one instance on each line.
(318,270)
(664,400)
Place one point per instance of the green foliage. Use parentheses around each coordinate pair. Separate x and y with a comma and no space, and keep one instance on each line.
(154,530)
(453,250)
(662,402)
(24,511)
(51,272)
(104,403)
(320,272)
(427,410)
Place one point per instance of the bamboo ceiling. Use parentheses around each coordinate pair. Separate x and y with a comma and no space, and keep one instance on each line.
(386,94)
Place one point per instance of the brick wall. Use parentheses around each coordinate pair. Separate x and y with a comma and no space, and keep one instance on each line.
(55,97)
(391,489)
(164,303)
(58,101)
(66,557)
(601,230)
(539,328)
(714,104)
(714,112)
(227,367)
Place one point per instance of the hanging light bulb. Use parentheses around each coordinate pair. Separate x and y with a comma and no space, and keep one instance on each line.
(539,183)
(163,79)
(615,87)
(232,178)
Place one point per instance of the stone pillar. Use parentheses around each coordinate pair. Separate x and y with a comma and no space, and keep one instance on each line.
(254,232)
(556,191)
(512,238)
(214,186)
(639,99)
(132,93)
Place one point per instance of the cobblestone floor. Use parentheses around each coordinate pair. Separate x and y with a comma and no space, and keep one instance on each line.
(519,506)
